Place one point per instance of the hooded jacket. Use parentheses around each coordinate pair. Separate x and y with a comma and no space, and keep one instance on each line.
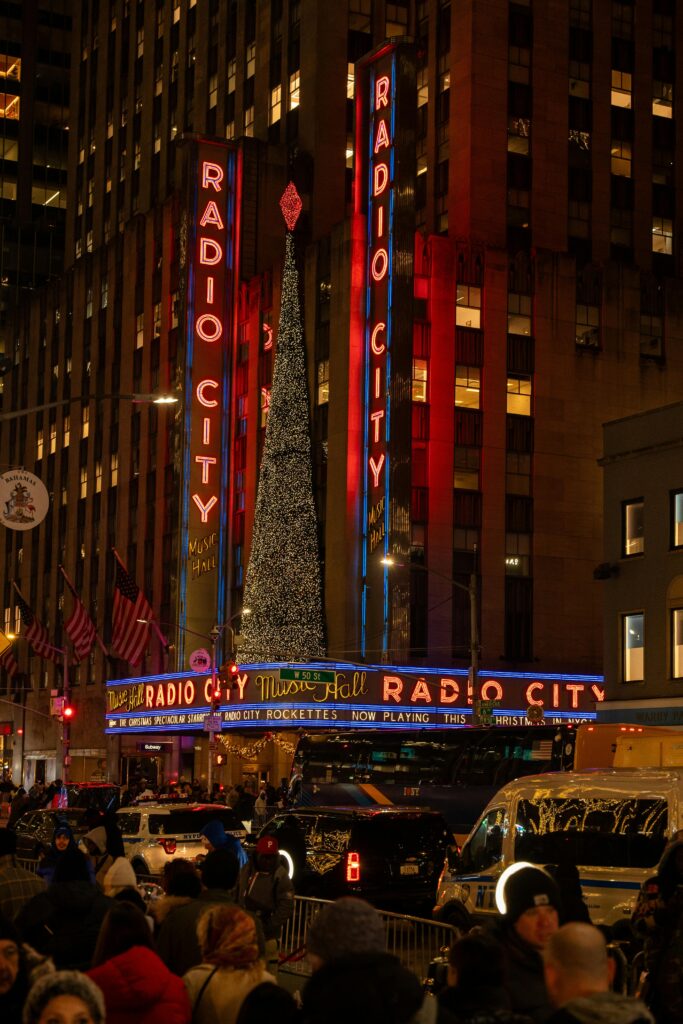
(64,923)
(525,979)
(139,989)
(46,868)
(603,1008)
(214,832)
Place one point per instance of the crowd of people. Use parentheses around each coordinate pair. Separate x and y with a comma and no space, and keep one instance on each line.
(79,945)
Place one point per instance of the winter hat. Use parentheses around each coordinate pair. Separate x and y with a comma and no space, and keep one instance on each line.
(227,936)
(98,836)
(267,844)
(349,925)
(526,888)
(63,983)
(119,876)
(214,832)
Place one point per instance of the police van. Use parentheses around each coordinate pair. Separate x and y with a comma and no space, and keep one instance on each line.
(612,824)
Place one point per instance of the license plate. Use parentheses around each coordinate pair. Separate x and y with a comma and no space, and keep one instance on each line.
(410,869)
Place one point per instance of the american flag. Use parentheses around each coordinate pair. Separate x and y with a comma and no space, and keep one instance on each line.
(80,629)
(35,632)
(8,661)
(129,637)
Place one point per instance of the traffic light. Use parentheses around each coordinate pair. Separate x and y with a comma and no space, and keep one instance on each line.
(68,712)
(216,695)
(233,672)
(219,760)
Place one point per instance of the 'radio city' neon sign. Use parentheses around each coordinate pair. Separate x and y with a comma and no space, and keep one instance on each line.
(208,330)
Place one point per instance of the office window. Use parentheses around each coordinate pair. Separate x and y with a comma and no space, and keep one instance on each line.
(466,469)
(519,394)
(662,99)
(422,87)
(251,59)
(351,81)
(275,109)
(651,335)
(579,218)
(84,482)
(232,76)
(98,476)
(633,647)
(517,554)
(114,468)
(294,89)
(519,314)
(139,330)
(587,326)
(633,528)
(66,431)
(468,306)
(518,473)
(249,122)
(621,89)
(677,643)
(85,422)
(53,438)
(323,382)
(662,235)
(419,381)
(40,444)
(676,519)
(621,158)
(467,386)
(213,90)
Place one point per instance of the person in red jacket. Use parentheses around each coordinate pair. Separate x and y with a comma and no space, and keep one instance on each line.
(138,988)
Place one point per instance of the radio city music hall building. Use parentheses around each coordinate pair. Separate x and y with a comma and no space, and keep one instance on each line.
(489,270)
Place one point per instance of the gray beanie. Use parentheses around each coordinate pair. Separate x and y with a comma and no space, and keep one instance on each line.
(63,983)
(349,925)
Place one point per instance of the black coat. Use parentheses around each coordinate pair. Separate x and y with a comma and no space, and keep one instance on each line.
(524,974)
(63,922)
(488,1006)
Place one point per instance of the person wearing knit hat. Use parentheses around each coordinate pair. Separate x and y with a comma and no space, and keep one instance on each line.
(67,996)
(231,965)
(119,876)
(349,925)
(529,901)
(94,844)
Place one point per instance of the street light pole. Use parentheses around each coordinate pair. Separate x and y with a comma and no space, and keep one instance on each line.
(142,399)
(472,590)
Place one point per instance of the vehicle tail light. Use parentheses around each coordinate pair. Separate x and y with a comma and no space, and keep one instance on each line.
(169,845)
(353,867)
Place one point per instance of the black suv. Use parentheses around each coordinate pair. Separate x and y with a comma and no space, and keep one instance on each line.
(390,856)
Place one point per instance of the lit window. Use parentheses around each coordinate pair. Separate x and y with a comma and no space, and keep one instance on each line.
(84,482)
(662,235)
(9,106)
(104,293)
(467,386)
(662,99)
(140,42)
(157,319)
(419,382)
(323,382)
(294,89)
(114,468)
(66,430)
(676,519)
(53,438)
(174,309)
(422,87)
(275,111)
(251,59)
(466,469)
(633,528)
(677,643)
(349,151)
(88,303)
(621,158)
(468,306)
(213,91)
(519,129)
(137,156)
(633,647)
(519,394)
(40,444)
(139,330)
(232,76)
(264,406)
(10,67)
(249,122)
(85,421)
(230,130)
(517,473)
(98,477)
(519,313)
(350,81)
(587,333)
(517,554)
(621,89)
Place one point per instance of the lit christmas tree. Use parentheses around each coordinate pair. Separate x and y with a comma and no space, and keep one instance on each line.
(283,588)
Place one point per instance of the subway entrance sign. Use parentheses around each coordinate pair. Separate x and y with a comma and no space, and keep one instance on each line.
(306,675)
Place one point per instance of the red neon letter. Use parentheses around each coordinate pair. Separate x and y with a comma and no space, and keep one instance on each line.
(205,508)
(380,221)
(206,436)
(376,417)
(377,349)
(530,690)
(209,403)
(212,174)
(377,382)
(382,137)
(381,92)
(598,693)
(209,318)
(380,263)
(381,176)
(376,469)
(207,257)
(491,690)
(392,688)
(574,689)
(421,692)
(268,343)
(205,461)
(449,691)
(209,291)
(211,215)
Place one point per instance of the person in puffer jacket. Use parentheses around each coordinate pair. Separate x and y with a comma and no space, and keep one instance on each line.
(578,974)
(137,986)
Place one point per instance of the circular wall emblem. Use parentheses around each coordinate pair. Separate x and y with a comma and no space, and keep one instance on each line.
(24,500)
(200,661)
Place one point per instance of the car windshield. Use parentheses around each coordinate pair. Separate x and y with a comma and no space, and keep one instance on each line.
(413,832)
(189,822)
(597,831)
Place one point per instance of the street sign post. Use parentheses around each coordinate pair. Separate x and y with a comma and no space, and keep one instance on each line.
(306,675)
(212,723)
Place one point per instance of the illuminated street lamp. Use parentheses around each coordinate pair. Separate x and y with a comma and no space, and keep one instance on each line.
(473,591)
(141,399)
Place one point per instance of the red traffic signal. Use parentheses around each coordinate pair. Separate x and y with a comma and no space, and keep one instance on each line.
(233,671)
(68,711)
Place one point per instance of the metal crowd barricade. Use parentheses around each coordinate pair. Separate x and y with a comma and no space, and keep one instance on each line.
(414,940)
(27,864)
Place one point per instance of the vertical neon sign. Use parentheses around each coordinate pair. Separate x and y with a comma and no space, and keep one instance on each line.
(208,325)
(385,184)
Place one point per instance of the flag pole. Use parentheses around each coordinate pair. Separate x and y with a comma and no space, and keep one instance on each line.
(73,590)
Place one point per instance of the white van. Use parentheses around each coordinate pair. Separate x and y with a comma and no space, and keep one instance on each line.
(612,824)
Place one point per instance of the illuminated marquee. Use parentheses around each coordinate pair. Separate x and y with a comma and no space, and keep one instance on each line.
(208,323)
